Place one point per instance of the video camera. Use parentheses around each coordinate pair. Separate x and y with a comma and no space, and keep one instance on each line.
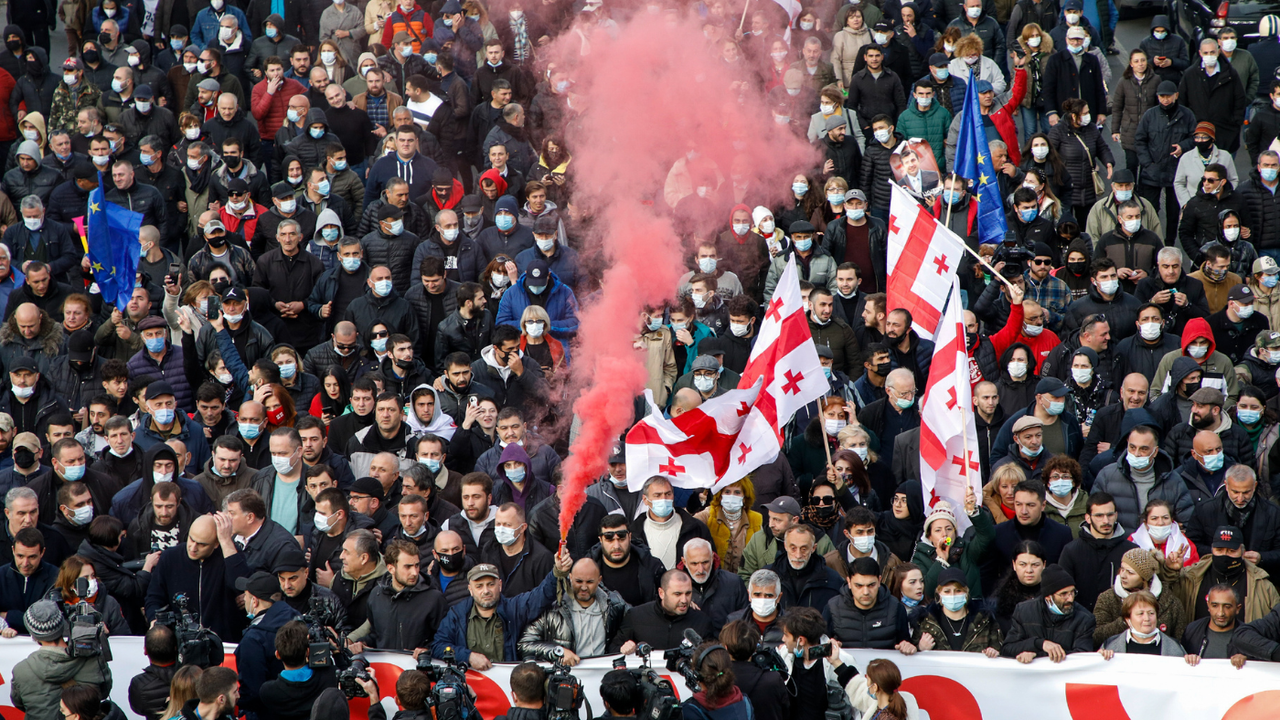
(197,645)
(565,693)
(680,659)
(87,636)
(659,698)
(358,669)
(766,658)
(320,637)
(450,697)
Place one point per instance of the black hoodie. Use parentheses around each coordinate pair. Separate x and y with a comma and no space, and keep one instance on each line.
(35,84)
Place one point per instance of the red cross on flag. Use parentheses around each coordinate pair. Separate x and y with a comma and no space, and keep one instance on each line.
(946,418)
(923,258)
(694,448)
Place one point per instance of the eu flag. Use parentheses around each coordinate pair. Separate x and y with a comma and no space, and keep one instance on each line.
(112,232)
(973,161)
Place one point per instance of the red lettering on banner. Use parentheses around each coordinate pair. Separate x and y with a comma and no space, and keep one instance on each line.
(1087,702)
(943,698)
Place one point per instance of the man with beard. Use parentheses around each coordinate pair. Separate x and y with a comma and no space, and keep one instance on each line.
(661,623)
(404,609)
(581,626)
(626,568)
(475,523)
(762,548)
(449,566)
(1238,505)
(1227,565)
(716,591)
(806,579)
(456,386)
(1051,625)
(163,524)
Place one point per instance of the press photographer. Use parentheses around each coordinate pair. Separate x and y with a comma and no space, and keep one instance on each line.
(38,679)
(528,691)
(818,680)
(621,695)
(197,566)
(256,658)
(753,669)
(292,693)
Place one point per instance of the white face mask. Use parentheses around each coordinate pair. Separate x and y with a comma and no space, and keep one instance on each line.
(882,136)
(1017,369)
(1085,118)
(1040,152)
(1231,233)
(1034,42)
(1082,375)
(1160,533)
(1150,331)
(739,329)
(1133,226)
(1197,351)
(764,607)
(1228,45)
(192,133)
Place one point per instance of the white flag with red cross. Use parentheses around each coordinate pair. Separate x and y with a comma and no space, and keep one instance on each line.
(948,436)
(923,256)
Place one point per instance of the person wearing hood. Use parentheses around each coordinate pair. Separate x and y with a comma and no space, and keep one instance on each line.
(1228,565)
(1052,625)
(432,426)
(540,466)
(210,67)
(278,39)
(1167,50)
(35,88)
(1216,371)
(316,197)
(33,182)
(159,464)
(327,240)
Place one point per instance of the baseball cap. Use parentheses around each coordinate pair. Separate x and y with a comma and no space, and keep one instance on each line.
(1266,264)
(1053,386)
(1167,87)
(158,388)
(537,273)
(1241,294)
(1123,175)
(402,37)
(617,455)
(235,292)
(984,86)
(80,346)
(389,212)
(855,194)
(938,60)
(26,362)
(283,191)
(784,504)
(6,422)
(1076,32)
(214,224)
(143,92)
(483,570)
(1268,339)
(262,585)
(1227,537)
(27,440)
(546,225)
(237,186)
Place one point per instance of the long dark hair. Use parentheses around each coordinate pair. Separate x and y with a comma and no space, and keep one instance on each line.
(716,672)
(858,472)
(1053,159)
(888,679)
(336,406)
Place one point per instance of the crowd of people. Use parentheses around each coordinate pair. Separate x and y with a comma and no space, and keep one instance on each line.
(338,387)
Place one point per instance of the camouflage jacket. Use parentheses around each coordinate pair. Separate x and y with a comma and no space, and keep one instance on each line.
(65,105)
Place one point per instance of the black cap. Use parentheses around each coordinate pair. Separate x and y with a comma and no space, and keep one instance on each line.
(801,226)
(143,92)
(80,346)
(237,186)
(1228,537)
(1167,87)
(389,212)
(1123,175)
(617,454)
(262,585)
(824,351)
(470,203)
(158,388)
(368,486)
(883,26)
(442,176)
(538,273)
(234,292)
(952,575)
(1053,386)
(939,60)
(290,560)
(84,170)
(546,225)
(178,31)
(1054,579)
(282,190)
(26,362)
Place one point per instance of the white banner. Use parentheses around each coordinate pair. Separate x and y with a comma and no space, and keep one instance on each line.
(947,685)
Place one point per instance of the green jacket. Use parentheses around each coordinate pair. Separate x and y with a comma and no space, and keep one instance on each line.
(762,550)
(930,126)
(1247,68)
(39,678)
(970,550)
(66,104)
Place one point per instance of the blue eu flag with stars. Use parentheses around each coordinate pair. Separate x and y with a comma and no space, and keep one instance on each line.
(973,162)
(114,247)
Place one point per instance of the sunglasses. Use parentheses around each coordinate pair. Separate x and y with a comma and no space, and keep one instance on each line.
(345,348)
(619,535)
(824,500)
(1038,261)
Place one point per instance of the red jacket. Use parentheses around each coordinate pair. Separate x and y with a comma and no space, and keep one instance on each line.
(250,222)
(270,110)
(8,125)
(1041,345)
(1003,118)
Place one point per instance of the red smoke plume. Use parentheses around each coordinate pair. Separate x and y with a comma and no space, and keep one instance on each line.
(643,94)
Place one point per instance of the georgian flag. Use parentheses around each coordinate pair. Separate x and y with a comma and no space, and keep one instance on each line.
(923,256)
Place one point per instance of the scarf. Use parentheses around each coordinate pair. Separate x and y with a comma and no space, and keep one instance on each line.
(455,197)
(810,515)
(520,40)
(1008,511)
(198,180)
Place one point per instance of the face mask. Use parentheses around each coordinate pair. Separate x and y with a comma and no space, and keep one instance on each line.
(706,265)
(704,383)
(1245,312)
(741,228)
(951,197)
(699,300)
(327,57)
(955,603)
(501,280)
(164,416)
(1028,215)
(924,102)
(69,78)
(1029,452)
(154,345)
(379,345)
(1229,45)
(836,198)
(407,50)
(288,370)
(662,508)
(316,133)
(535,329)
(1017,369)
(1133,226)
(449,235)
(101,160)
(882,136)
(826,109)
(1109,287)
(452,562)
(974,12)
(943,73)
(826,371)
(1053,607)
(82,515)
(249,431)
(545,245)
(764,607)
(1231,233)
(800,188)
(1150,331)
(192,134)
(766,227)
(779,119)
(202,67)
(189,67)
(1212,463)
(282,464)
(224,378)
(1159,34)
(904,403)
(1075,49)
(971,61)
(193,163)
(382,288)
(910,602)
(33,224)
(732,503)
(1210,61)
(397,227)
(1227,565)
(321,522)
(233,319)
(864,543)
(1082,375)
(74,473)
(833,427)
(804,245)
(504,221)
(1160,533)
(1034,42)
(1249,417)
(806,25)
(1056,407)
(1198,351)
(117,86)
(504,535)
(24,458)
(880,38)
(1273,356)
(1060,487)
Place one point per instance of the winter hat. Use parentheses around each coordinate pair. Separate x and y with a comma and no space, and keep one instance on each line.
(953,575)
(507,203)
(1207,128)
(1088,353)
(941,511)
(760,213)
(1141,562)
(1054,579)
(44,621)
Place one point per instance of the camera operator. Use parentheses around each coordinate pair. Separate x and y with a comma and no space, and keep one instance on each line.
(291,571)
(819,677)
(764,588)
(217,692)
(412,690)
(582,624)
(39,678)
(149,689)
(621,695)
(198,571)
(103,549)
(766,689)
(662,623)
(290,695)
(255,655)
(528,690)
(719,693)
(404,610)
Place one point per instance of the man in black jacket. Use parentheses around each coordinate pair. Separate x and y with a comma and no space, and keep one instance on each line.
(662,623)
(1238,505)
(308,597)
(289,274)
(716,591)
(868,616)
(806,579)
(1030,523)
(1218,98)
(1179,296)
(523,563)
(1164,133)
(1094,557)
(404,609)
(1105,298)
(292,694)
(1141,353)
(627,568)
(1213,637)
(149,689)
(1050,626)
(245,527)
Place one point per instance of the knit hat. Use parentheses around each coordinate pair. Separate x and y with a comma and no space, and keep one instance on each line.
(760,213)
(941,511)
(1206,128)
(44,621)
(1054,579)
(1141,562)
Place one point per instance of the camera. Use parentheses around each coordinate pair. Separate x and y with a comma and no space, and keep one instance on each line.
(450,698)
(357,670)
(197,645)
(320,636)
(87,636)
(680,660)
(766,658)
(658,697)
(565,693)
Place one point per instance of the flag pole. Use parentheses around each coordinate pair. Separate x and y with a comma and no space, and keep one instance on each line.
(742,23)
(947,222)
(825,445)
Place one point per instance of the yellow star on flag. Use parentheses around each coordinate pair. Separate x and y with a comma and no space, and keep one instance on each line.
(981,158)
(982,179)
(93,207)
(97,267)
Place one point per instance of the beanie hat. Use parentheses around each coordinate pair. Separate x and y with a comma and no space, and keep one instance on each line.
(1054,579)
(44,621)
(1141,562)
(941,511)
(760,213)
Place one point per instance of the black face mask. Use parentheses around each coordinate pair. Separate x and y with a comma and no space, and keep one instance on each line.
(825,511)
(216,241)
(883,368)
(15,46)
(23,458)
(1077,268)
(1192,388)
(220,286)
(404,364)
(1227,565)
(34,68)
(104,39)
(1205,147)
(91,56)
(232,163)
(452,562)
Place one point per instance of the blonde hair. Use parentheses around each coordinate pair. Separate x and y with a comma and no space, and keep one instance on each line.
(535,312)
(968,45)
(836,183)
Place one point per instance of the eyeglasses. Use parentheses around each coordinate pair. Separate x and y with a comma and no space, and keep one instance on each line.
(1038,261)
(344,348)
(1061,476)
(619,535)
(381,333)
(823,500)
(899,500)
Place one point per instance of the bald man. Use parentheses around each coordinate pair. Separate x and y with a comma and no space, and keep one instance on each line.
(31,333)
(251,427)
(232,121)
(583,623)
(1104,434)
(198,570)
(342,350)
(685,399)
(448,563)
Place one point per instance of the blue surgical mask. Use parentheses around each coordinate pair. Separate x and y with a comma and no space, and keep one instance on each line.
(951,197)
(836,198)
(1124,195)
(164,416)
(406,51)
(148,160)
(504,221)
(288,370)
(662,508)
(1269,174)
(1270,280)
(828,372)
(154,345)
(316,133)
(330,234)
(432,464)
(249,431)
(1213,463)
(1057,406)
(1053,607)
(339,165)
(177,45)
(954,603)
(382,288)
(516,475)
(379,344)
(942,74)
(350,264)
(536,289)
(430,58)
(1060,487)
(271,32)
(910,602)
(293,115)
(800,189)
(74,473)
(1029,452)
(1028,215)
(653,324)
(322,187)
(1137,462)
(804,245)
(1249,417)
(904,403)
(857,214)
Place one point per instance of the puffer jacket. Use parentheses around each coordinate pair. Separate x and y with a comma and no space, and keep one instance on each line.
(169,368)
(395,252)
(1130,99)
(1082,149)
(1033,624)
(1117,479)
(882,627)
(1262,213)
(149,690)
(980,632)
(554,628)
(308,149)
